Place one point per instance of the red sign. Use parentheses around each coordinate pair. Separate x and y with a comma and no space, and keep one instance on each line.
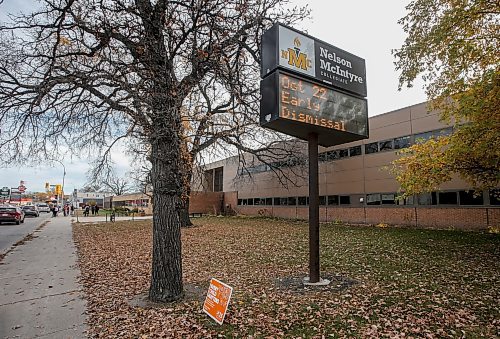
(22,188)
(217,300)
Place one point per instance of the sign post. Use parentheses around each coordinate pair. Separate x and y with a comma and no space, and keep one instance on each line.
(314,268)
(313,91)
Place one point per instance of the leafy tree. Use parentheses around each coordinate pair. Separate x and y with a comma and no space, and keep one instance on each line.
(84,74)
(454,46)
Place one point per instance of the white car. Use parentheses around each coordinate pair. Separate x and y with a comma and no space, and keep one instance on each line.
(43,208)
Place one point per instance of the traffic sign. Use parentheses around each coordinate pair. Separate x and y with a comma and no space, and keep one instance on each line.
(217,300)
(22,188)
(5,191)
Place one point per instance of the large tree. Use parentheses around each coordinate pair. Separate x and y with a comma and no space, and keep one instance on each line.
(80,74)
(454,46)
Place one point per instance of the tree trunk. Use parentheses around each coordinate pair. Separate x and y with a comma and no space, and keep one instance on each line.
(166,275)
(184,212)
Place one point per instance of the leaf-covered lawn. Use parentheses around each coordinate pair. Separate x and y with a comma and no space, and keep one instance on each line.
(390,282)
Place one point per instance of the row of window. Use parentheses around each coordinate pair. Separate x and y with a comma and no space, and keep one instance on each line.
(294,201)
(462,198)
(374,147)
(384,145)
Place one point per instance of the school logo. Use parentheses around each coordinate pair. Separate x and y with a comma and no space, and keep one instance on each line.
(295,57)
(296,51)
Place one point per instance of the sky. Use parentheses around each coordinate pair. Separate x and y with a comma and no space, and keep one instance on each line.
(366,28)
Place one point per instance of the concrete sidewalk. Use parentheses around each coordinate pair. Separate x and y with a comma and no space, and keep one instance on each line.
(40,296)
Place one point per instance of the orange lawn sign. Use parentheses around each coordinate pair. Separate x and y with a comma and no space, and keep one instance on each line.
(217,300)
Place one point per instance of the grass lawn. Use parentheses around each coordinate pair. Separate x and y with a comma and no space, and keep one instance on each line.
(391,282)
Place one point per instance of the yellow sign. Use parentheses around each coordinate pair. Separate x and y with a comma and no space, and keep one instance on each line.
(217,300)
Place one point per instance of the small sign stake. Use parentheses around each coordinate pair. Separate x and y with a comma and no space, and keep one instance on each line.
(217,300)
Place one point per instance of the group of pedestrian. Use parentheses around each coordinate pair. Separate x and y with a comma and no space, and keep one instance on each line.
(67,209)
(94,209)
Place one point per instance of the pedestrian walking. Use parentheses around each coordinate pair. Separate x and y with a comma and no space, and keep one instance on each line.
(96,209)
(54,211)
(72,208)
(86,211)
(92,209)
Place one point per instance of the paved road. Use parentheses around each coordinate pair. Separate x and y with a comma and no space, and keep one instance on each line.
(11,233)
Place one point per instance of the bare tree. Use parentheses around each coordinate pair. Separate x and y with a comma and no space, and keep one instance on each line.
(116,184)
(77,74)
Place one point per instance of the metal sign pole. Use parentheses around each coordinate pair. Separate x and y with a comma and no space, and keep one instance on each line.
(314,269)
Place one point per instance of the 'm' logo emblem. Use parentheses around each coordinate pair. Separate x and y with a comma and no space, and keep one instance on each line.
(295,57)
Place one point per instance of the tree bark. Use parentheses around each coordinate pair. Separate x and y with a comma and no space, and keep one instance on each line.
(166,275)
(184,212)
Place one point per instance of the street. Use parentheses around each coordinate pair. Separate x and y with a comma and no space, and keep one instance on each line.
(11,233)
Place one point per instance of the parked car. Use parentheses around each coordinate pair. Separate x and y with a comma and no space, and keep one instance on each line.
(11,214)
(31,210)
(43,208)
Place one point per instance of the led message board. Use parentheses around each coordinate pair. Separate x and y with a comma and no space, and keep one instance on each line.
(291,50)
(297,107)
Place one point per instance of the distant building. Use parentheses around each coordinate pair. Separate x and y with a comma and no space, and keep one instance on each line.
(80,199)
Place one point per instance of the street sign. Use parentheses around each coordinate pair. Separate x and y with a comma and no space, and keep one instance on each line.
(217,300)
(5,191)
(22,188)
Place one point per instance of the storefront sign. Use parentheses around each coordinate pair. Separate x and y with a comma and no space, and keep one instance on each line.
(217,300)
(294,51)
(297,107)
(5,191)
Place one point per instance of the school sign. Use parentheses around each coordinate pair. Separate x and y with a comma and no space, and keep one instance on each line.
(310,86)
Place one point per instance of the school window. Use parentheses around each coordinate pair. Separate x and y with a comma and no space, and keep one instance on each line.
(250,201)
(427,198)
(292,201)
(443,132)
(303,201)
(494,197)
(470,198)
(402,142)
(385,145)
(345,200)
(447,198)
(371,148)
(240,202)
(322,200)
(388,199)
(218,179)
(333,200)
(332,155)
(269,201)
(343,153)
(423,137)
(405,201)
(373,199)
(354,151)
(322,157)
(259,201)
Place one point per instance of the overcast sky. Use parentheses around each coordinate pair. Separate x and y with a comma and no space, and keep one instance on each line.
(365,28)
